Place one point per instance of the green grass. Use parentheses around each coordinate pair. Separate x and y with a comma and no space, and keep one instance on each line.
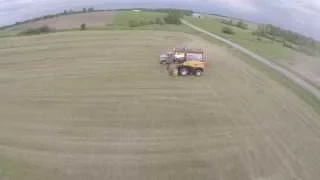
(121,19)
(251,25)
(265,47)
(121,22)
(156,27)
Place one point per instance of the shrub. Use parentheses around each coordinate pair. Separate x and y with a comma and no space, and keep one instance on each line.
(228,30)
(159,21)
(288,45)
(152,22)
(242,25)
(173,18)
(83,27)
(40,30)
(227,22)
(259,38)
(143,23)
(133,23)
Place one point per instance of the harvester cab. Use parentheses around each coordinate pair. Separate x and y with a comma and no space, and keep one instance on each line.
(179,54)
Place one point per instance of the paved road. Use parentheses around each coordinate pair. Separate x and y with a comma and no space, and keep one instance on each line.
(307,86)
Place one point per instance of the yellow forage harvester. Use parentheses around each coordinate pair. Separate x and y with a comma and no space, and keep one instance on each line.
(185,61)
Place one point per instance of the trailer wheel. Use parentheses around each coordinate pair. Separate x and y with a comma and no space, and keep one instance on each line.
(198,72)
(183,71)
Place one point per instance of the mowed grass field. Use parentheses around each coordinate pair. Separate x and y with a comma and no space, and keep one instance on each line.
(98,105)
(72,21)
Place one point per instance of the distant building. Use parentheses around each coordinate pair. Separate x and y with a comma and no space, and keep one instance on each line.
(136,10)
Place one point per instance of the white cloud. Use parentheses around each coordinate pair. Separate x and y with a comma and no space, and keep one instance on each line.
(247,6)
(302,6)
(304,15)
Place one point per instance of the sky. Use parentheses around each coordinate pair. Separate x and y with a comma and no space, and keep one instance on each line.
(297,15)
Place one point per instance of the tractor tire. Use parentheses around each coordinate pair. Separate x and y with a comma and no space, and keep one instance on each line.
(198,72)
(183,71)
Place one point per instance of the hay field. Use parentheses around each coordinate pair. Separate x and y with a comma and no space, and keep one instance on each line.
(97,105)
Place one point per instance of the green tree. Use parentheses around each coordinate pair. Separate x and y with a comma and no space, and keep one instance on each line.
(228,30)
(242,25)
(133,23)
(173,18)
(159,21)
(152,22)
(143,23)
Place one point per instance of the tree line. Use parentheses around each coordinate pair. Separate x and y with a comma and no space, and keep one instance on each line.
(173,17)
(289,38)
(184,12)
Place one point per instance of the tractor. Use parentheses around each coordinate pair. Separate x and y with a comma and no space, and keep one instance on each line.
(185,61)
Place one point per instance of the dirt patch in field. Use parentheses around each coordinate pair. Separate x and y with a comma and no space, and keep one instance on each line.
(98,105)
(93,20)
(306,66)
